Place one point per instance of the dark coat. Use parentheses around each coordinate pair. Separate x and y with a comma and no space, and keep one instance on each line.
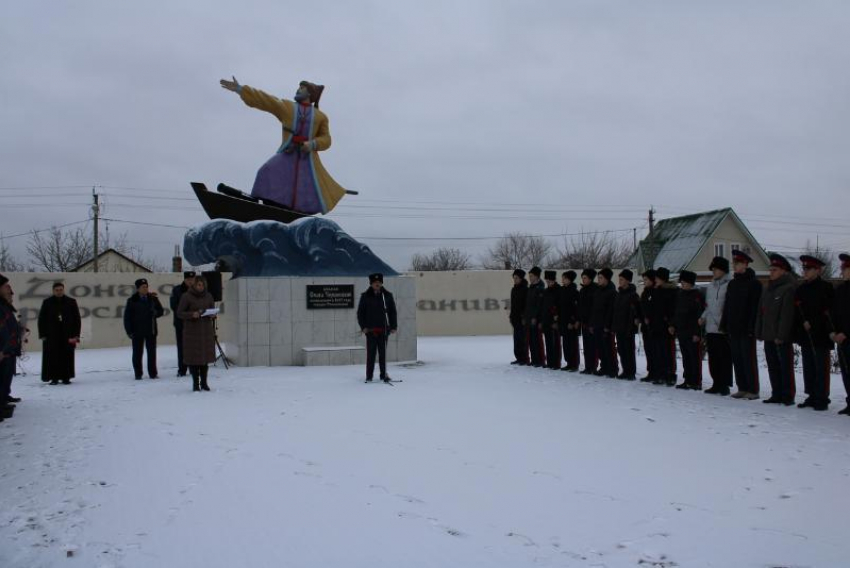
(198,333)
(646,306)
(662,308)
(551,299)
(690,304)
(585,303)
(58,321)
(814,300)
(534,303)
(10,330)
(568,306)
(375,309)
(775,319)
(519,296)
(140,316)
(174,302)
(840,312)
(626,310)
(743,295)
(602,312)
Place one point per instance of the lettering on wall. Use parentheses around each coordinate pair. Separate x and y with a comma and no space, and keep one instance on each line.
(474,305)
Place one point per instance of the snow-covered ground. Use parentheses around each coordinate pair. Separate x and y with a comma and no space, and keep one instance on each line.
(469,462)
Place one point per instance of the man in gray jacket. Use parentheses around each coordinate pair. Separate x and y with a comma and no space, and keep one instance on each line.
(775,326)
(719,350)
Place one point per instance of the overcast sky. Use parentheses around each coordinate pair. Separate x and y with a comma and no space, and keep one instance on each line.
(451,118)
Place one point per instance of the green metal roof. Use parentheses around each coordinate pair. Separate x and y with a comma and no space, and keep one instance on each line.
(676,241)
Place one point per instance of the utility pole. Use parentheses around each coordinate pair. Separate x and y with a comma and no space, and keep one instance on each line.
(651,219)
(634,238)
(95,209)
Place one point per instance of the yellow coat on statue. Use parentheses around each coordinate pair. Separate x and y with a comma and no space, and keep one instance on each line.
(295,179)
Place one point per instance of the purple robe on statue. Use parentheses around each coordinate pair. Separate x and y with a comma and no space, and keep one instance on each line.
(287,178)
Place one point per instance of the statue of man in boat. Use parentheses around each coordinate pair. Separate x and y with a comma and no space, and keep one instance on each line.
(294,177)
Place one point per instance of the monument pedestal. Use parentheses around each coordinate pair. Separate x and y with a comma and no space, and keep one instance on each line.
(266,321)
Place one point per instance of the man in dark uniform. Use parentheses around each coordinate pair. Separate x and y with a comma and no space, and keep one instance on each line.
(840,316)
(59,329)
(646,307)
(600,320)
(814,298)
(585,311)
(533,313)
(664,307)
(568,319)
(519,296)
(376,315)
(174,301)
(686,326)
(140,314)
(740,311)
(624,323)
(550,320)
(775,326)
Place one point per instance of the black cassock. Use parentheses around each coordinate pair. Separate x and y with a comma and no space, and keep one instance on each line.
(58,321)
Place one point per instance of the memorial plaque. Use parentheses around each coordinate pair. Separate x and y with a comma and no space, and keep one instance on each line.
(330,296)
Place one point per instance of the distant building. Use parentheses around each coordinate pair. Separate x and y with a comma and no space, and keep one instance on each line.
(691,241)
(111,260)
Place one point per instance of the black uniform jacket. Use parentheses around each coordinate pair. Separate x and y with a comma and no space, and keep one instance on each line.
(550,311)
(519,296)
(140,315)
(585,303)
(813,301)
(377,310)
(626,310)
(603,306)
(534,303)
(689,307)
(743,295)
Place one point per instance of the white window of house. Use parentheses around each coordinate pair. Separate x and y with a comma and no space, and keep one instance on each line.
(720,249)
(733,247)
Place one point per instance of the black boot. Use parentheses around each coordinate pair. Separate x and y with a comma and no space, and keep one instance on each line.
(204,385)
(196,387)
(846,411)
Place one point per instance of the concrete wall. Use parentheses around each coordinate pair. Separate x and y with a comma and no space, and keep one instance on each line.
(101,298)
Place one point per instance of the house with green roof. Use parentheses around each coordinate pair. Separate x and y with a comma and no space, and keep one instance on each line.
(690,243)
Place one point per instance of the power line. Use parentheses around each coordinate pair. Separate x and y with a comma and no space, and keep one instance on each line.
(43,230)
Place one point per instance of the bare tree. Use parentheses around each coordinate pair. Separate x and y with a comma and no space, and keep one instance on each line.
(517,250)
(593,250)
(56,250)
(825,254)
(441,259)
(8,263)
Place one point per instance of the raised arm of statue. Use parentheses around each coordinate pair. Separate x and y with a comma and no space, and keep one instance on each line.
(261,100)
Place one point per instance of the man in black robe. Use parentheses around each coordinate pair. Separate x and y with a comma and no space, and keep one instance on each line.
(59,330)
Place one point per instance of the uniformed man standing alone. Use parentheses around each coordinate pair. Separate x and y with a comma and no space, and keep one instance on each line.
(841,326)
(813,298)
(376,315)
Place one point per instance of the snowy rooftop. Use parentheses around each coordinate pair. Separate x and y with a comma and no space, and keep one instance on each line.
(469,462)
(676,241)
